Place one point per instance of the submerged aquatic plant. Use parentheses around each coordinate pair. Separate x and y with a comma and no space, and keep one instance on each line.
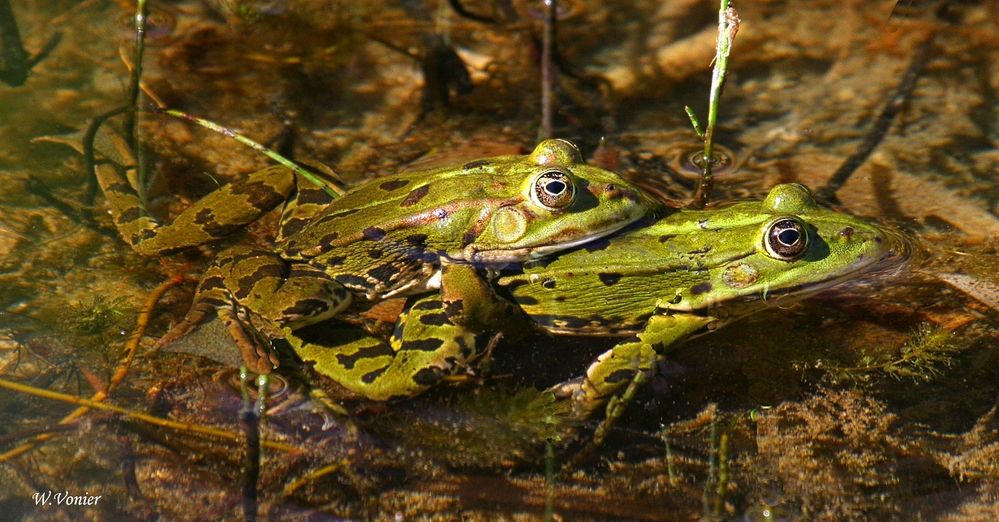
(922,358)
(100,316)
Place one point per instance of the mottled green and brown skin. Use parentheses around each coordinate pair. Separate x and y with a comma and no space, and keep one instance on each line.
(689,272)
(656,284)
(398,235)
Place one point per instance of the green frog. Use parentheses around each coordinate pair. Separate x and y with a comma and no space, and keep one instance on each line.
(397,235)
(657,284)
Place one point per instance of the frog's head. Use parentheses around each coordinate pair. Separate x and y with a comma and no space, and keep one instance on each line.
(560,202)
(784,246)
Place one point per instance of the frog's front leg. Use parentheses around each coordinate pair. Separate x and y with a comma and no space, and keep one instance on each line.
(615,368)
(470,301)
(216,215)
(425,348)
(256,293)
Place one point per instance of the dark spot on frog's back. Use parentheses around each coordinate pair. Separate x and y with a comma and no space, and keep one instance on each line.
(206,219)
(437,319)
(609,279)
(348,360)
(383,272)
(422,345)
(373,234)
(666,237)
(204,216)
(428,305)
(475,164)
(393,184)
(129,215)
(701,288)
(370,377)
(620,376)
(454,308)
(306,307)
(260,194)
(415,196)
(427,376)
(417,239)
(310,196)
(375,253)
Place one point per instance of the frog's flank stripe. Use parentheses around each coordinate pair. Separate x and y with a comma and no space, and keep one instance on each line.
(306,245)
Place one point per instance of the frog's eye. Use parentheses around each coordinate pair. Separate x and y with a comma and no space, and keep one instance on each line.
(786,239)
(554,190)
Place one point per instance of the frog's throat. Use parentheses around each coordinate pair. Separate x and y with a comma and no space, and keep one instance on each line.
(514,255)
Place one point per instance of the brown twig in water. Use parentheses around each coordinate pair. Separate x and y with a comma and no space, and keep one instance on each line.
(131,347)
(882,124)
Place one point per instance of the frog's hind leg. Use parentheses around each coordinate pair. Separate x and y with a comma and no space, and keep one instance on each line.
(216,215)
(426,347)
(255,292)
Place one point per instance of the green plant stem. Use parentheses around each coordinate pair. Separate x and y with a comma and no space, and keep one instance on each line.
(728,26)
(547,69)
(225,131)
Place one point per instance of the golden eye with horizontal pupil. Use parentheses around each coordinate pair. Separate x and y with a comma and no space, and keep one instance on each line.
(786,239)
(554,190)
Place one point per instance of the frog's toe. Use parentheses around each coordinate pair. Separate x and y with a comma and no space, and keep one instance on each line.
(255,350)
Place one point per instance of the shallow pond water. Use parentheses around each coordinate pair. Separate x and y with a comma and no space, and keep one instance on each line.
(873,400)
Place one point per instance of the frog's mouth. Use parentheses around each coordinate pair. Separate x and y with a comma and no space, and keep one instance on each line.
(528,253)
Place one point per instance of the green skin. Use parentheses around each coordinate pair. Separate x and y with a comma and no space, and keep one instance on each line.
(396,235)
(658,285)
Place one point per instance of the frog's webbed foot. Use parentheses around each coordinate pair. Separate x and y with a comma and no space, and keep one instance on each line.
(200,312)
(256,350)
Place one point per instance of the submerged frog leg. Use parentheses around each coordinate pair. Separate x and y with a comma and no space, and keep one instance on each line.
(615,368)
(425,348)
(216,215)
